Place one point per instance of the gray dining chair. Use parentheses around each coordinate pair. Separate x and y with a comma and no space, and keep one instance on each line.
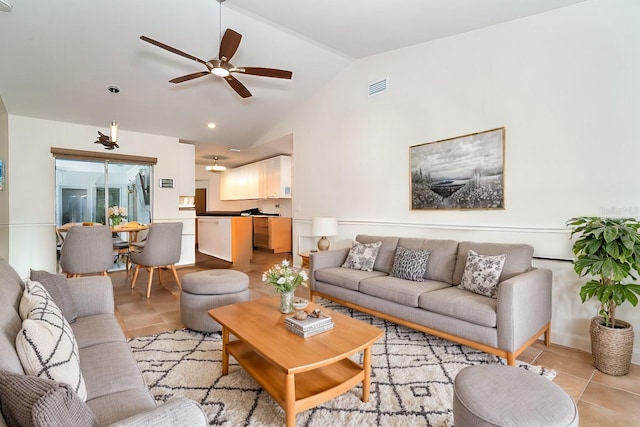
(161,250)
(86,250)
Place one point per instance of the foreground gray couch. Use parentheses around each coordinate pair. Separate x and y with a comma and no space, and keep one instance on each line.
(117,393)
(503,326)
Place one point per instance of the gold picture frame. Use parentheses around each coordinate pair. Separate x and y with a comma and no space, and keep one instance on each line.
(464,172)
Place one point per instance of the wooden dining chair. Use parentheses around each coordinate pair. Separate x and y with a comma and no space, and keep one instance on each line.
(162,250)
(86,250)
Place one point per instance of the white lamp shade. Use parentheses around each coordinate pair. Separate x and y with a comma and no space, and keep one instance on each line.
(114,132)
(324,226)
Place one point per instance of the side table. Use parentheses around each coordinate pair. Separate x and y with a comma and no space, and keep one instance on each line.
(305,259)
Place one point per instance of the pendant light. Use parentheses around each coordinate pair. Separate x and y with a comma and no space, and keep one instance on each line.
(215,167)
(114,125)
(110,141)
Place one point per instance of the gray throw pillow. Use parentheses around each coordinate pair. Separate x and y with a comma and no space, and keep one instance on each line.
(33,401)
(482,273)
(362,256)
(410,264)
(58,288)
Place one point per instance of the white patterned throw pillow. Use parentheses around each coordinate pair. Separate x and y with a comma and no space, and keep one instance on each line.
(410,264)
(362,256)
(46,345)
(482,273)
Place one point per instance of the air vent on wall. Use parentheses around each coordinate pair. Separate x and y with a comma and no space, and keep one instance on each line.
(378,87)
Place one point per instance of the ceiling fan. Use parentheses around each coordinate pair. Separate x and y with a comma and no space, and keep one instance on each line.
(221,66)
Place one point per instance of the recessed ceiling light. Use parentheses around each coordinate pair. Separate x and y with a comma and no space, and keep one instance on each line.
(211,125)
(234,150)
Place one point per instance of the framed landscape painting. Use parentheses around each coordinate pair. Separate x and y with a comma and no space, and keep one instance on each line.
(465,172)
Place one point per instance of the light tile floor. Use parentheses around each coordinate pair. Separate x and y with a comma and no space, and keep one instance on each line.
(602,400)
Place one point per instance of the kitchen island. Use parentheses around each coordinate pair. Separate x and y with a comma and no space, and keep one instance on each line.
(226,237)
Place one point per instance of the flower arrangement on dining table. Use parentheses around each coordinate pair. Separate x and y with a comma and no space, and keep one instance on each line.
(285,278)
(117,214)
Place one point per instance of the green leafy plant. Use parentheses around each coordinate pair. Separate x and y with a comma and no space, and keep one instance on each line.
(609,250)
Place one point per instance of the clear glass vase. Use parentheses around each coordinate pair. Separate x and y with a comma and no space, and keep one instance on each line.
(286,302)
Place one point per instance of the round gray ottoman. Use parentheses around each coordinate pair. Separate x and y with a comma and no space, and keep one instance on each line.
(495,395)
(204,290)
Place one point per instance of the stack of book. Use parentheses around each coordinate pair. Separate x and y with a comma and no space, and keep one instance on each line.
(309,326)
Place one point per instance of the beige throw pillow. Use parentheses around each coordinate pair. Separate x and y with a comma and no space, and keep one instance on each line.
(362,256)
(482,273)
(46,345)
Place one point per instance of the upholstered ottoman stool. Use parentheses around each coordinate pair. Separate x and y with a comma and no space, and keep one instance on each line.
(204,290)
(496,395)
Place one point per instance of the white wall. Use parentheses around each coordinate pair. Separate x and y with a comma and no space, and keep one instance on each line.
(4,195)
(32,194)
(565,86)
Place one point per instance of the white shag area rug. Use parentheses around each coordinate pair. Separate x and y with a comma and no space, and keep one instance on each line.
(411,379)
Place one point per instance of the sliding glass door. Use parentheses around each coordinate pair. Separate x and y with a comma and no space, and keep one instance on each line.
(85,189)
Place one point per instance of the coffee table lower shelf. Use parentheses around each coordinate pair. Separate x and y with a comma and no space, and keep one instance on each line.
(308,389)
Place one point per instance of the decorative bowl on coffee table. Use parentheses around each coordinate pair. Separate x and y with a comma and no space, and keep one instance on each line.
(300,303)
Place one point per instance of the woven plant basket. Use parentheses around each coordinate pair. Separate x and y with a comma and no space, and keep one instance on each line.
(611,348)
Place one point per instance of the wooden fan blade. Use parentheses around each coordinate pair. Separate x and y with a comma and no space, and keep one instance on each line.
(237,86)
(172,49)
(229,44)
(266,72)
(189,77)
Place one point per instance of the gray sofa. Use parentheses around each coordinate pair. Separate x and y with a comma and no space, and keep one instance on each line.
(116,391)
(503,326)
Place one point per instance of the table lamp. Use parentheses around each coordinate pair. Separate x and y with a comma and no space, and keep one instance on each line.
(324,226)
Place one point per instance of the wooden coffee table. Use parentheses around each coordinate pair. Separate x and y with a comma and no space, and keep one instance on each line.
(298,373)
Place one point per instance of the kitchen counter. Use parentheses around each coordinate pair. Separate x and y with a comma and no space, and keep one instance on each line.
(226,237)
(220,213)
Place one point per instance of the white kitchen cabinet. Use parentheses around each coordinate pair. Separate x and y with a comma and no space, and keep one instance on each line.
(240,183)
(276,183)
(266,179)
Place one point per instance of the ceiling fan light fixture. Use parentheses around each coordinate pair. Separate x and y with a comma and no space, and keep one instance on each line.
(215,167)
(220,72)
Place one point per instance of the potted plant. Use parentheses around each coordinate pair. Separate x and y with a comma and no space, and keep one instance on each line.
(608,250)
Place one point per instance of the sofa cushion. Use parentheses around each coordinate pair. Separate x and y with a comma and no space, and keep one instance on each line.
(518,258)
(442,261)
(118,406)
(463,305)
(58,288)
(410,264)
(405,292)
(362,256)
(46,345)
(345,277)
(33,401)
(384,260)
(85,329)
(109,368)
(482,273)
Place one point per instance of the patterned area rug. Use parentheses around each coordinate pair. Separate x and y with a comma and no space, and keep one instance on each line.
(411,381)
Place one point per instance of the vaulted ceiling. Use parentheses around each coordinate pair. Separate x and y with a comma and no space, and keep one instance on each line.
(59,57)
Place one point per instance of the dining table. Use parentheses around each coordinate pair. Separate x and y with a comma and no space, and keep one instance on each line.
(132,228)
